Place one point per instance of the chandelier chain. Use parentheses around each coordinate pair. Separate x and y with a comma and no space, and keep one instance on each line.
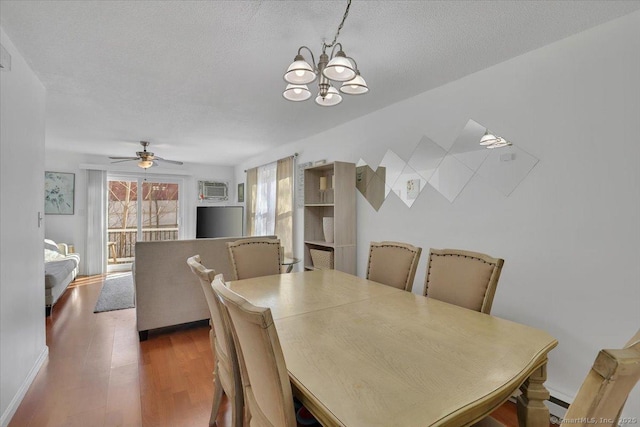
(344,17)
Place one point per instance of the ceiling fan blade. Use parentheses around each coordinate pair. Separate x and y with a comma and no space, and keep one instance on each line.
(143,157)
(126,160)
(175,162)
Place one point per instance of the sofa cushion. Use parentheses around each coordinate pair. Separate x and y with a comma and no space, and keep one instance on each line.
(56,272)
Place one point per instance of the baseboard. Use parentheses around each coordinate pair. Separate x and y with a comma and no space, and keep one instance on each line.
(22,391)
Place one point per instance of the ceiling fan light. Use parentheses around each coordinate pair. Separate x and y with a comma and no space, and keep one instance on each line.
(355,86)
(332,98)
(339,69)
(145,164)
(299,72)
(296,93)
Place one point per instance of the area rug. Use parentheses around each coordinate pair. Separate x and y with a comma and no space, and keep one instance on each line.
(116,294)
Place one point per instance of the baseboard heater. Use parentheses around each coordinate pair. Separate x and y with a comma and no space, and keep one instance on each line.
(551,399)
(558,402)
(554,400)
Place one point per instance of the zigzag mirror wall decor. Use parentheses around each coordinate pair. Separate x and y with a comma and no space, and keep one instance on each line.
(497,161)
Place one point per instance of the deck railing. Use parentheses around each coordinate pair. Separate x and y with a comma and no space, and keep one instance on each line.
(125,240)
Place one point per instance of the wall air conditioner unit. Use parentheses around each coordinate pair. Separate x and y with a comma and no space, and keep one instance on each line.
(213,191)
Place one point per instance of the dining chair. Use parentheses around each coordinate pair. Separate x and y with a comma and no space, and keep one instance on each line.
(393,264)
(265,378)
(464,278)
(604,391)
(255,257)
(226,376)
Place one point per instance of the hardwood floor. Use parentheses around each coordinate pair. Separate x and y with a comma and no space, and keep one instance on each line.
(99,374)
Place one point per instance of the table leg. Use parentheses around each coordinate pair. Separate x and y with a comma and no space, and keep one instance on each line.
(532,412)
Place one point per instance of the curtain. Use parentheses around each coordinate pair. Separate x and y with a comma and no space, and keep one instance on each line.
(265,217)
(284,204)
(250,194)
(270,201)
(96,222)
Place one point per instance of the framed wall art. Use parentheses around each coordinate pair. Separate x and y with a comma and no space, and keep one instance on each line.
(59,193)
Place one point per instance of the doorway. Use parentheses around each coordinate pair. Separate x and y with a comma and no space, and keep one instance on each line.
(140,209)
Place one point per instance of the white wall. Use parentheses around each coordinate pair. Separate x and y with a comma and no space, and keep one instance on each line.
(570,232)
(73,228)
(22,327)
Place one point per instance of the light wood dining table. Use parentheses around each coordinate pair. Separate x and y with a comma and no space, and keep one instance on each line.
(364,354)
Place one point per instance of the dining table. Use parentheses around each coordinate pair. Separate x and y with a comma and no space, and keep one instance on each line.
(363,354)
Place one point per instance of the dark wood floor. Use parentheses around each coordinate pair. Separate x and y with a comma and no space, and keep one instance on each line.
(99,374)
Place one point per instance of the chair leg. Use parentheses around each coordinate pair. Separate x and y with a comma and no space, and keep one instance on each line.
(247,415)
(217,397)
(237,409)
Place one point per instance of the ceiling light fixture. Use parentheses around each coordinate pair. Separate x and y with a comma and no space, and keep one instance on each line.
(337,68)
(491,141)
(145,164)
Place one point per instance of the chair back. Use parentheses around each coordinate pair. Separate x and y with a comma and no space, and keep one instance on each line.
(205,277)
(223,345)
(265,378)
(254,257)
(393,264)
(607,386)
(464,278)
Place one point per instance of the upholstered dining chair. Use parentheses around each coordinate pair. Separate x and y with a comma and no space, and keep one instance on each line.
(265,378)
(393,264)
(604,391)
(254,257)
(226,376)
(464,278)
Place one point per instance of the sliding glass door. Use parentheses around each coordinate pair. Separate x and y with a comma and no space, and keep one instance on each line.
(139,209)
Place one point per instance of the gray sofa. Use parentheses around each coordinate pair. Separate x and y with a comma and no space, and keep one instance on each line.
(167,292)
(60,269)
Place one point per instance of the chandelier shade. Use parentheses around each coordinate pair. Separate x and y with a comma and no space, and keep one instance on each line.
(332,98)
(355,86)
(491,141)
(488,139)
(500,142)
(339,69)
(296,93)
(300,72)
(329,68)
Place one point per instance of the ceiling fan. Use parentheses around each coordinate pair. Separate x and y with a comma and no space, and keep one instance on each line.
(145,158)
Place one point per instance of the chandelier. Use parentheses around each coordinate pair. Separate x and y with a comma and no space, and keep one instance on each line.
(330,69)
(491,141)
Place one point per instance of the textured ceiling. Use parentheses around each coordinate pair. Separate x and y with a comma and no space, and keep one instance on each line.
(203,80)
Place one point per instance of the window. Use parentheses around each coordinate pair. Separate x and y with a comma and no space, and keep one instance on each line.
(270,202)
